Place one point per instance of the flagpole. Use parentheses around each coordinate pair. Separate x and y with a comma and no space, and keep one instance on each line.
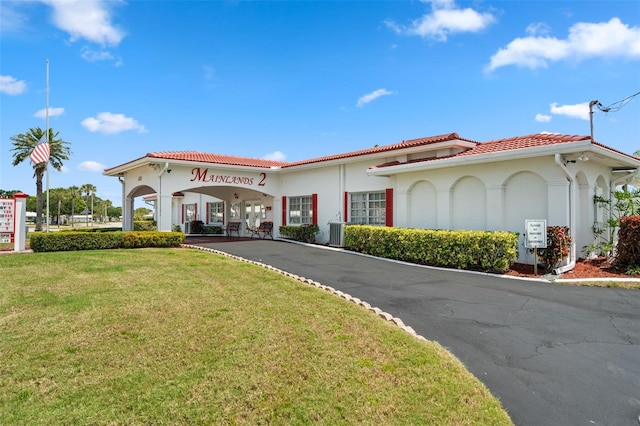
(49,142)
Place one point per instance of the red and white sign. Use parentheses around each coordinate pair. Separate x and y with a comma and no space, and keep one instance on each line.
(7,219)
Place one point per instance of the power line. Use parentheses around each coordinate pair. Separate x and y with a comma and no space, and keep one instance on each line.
(616,106)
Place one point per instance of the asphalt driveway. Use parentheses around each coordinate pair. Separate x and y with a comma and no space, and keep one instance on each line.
(553,354)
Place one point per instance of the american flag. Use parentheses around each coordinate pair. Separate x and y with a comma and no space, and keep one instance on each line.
(40,153)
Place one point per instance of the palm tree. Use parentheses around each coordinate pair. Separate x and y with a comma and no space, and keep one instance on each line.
(88,190)
(74,194)
(56,196)
(23,145)
(637,153)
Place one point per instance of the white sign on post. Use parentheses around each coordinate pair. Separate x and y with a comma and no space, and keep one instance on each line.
(536,233)
(7,219)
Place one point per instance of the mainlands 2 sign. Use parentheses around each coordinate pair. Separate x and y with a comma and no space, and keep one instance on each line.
(200,175)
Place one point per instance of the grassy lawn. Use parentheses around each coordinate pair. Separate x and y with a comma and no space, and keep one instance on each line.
(180,336)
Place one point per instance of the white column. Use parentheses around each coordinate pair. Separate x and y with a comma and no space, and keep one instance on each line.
(277,216)
(164,221)
(20,221)
(127,214)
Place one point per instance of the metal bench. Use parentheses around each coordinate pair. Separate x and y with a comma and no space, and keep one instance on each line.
(233,227)
(265,228)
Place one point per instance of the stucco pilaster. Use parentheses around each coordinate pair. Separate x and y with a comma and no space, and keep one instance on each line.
(444,208)
(495,207)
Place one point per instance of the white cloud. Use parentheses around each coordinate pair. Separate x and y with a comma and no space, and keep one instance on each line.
(53,112)
(445,18)
(369,97)
(542,118)
(537,28)
(89,20)
(580,111)
(91,55)
(275,156)
(91,166)
(109,123)
(585,40)
(11,86)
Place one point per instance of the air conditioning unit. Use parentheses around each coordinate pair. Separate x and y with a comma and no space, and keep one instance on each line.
(336,234)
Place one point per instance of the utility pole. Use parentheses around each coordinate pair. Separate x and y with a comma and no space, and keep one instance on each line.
(591,104)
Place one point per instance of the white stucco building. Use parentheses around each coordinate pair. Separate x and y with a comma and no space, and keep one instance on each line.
(439,182)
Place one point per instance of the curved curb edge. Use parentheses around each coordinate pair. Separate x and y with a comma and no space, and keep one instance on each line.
(379,312)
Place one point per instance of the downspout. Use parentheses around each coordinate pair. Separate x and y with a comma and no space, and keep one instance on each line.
(572,216)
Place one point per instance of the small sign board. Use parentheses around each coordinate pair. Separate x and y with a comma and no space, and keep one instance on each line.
(535,233)
(6,237)
(7,215)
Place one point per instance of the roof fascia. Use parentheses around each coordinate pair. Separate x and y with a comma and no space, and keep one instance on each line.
(482,159)
(311,164)
(119,170)
(618,156)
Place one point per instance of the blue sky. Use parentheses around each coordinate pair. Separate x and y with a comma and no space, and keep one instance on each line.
(292,80)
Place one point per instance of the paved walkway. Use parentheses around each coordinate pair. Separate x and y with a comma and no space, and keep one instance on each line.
(553,354)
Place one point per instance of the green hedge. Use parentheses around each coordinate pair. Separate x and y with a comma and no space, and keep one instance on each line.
(199,227)
(474,250)
(97,229)
(306,233)
(70,241)
(144,225)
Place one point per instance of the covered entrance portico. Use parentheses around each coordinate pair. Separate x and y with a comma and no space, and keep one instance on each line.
(215,195)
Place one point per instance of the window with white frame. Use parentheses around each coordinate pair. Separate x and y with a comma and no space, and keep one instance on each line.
(368,208)
(300,210)
(234,211)
(216,212)
(189,213)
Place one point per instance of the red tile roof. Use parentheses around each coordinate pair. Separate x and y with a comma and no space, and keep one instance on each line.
(522,142)
(485,148)
(385,148)
(502,145)
(203,157)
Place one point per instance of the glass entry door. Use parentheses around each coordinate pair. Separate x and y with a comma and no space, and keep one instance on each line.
(253,213)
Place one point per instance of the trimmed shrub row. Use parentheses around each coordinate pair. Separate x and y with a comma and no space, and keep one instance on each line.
(69,241)
(474,250)
(144,225)
(100,229)
(199,227)
(305,233)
